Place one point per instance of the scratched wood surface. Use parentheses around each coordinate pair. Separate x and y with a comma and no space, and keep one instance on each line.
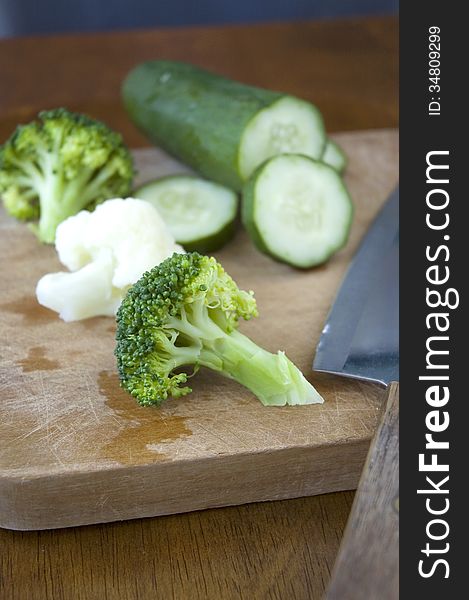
(76,449)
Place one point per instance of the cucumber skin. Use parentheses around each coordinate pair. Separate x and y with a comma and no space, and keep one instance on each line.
(213,242)
(247,211)
(203,245)
(196,116)
(247,217)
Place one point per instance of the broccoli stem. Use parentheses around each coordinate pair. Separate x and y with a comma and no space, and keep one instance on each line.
(60,199)
(273,378)
(53,211)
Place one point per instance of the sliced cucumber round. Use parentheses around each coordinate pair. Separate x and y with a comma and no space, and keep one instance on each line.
(200,214)
(297,210)
(288,125)
(334,156)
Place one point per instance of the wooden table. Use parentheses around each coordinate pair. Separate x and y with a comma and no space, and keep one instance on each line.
(277,550)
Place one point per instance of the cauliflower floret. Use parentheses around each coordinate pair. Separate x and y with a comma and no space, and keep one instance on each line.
(106,250)
(81,294)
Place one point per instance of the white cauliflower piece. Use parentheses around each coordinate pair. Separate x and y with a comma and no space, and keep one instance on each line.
(106,250)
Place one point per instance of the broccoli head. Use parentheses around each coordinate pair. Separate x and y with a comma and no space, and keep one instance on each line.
(64,162)
(185,312)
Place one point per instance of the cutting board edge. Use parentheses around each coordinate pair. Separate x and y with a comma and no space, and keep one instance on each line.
(20,475)
(154,490)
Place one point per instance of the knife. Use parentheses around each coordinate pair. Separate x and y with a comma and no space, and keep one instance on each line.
(361,340)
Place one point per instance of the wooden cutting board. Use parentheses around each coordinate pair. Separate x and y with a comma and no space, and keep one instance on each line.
(76,449)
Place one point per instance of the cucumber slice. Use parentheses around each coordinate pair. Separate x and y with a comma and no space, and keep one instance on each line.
(200,214)
(297,210)
(290,125)
(334,156)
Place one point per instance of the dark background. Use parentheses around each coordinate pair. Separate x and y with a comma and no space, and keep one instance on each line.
(26,17)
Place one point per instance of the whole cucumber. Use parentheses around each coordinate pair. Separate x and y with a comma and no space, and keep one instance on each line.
(221,128)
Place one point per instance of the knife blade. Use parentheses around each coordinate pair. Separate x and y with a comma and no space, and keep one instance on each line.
(361,335)
(360,339)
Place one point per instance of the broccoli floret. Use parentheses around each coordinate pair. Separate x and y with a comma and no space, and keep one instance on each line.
(185,311)
(60,164)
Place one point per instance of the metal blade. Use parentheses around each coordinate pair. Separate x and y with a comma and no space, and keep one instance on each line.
(361,335)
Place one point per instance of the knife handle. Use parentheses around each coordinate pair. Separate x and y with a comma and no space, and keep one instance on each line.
(367,565)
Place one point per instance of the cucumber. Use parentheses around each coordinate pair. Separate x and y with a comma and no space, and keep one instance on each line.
(297,210)
(334,156)
(200,214)
(221,128)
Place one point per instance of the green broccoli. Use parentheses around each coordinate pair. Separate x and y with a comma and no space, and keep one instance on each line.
(64,162)
(185,311)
